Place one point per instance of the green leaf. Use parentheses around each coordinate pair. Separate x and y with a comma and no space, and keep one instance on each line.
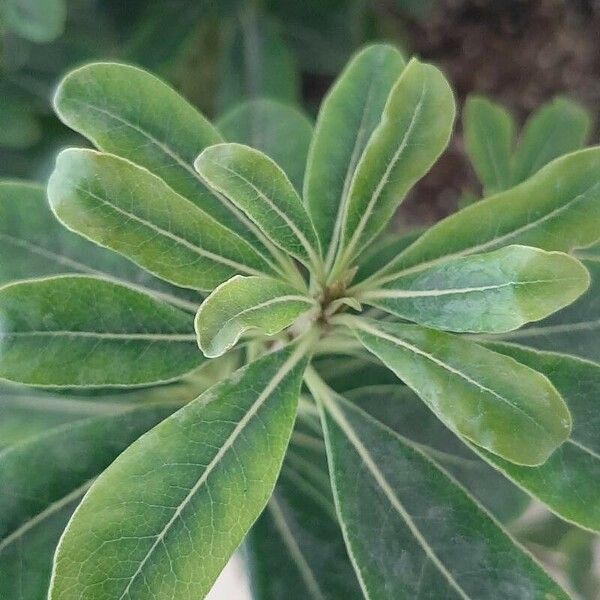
(295,549)
(382,251)
(77,331)
(34,244)
(348,116)
(256,62)
(42,480)
(38,21)
(131,211)
(280,131)
(400,409)
(449,546)
(129,112)
(489,132)
(256,185)
(415,127)
(245,303)
(573,330)
(569,482)
(556,209)
(486,397)
(171,509)
(494,292)
(558,127)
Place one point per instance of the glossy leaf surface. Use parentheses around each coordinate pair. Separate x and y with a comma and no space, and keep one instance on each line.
(494,292)
(414,129)
(34,244)
(258,186)
(83,331)
(489,132)
(131,211)
(280,131)
(384,484)
(573,330)
(42,480)
(484,396)
(347,118)
(172,509)
(246,303)
(556,209)
(569,482)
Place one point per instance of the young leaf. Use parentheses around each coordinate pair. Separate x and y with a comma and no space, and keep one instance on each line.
(450,547)
(82,331)
(569,482)
(486,397)
(348,116)
(42,480)
(400,409)
(573,330)
(494,292)
(256,185)
(295,549)
(256,62)
(34,244)
(281,132)
(128,209)
(414,129)
(171,509)
(244,303)
(489,132)
(559,127)
(556,209)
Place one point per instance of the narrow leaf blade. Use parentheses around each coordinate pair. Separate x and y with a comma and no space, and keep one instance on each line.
(489,132)
(244,303)
(414,130)
(493,292)
(172,508)
(77,331)
(348,116)
(131,211)
(490,399)
(256,185)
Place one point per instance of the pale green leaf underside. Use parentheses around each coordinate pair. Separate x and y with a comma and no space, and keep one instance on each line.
(280,131)
(494,292)
(258,186)
(131,211)
(83,331)
(129,112)
(489,132)
(34,244)
(348,115)
(555,209)
(573,330)
(246,303)
(486,397)
(394,502)
(568,483)
(415,127)
(171,510)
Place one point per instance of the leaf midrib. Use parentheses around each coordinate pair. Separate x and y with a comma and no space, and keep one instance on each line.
(289,364)
(401,343)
